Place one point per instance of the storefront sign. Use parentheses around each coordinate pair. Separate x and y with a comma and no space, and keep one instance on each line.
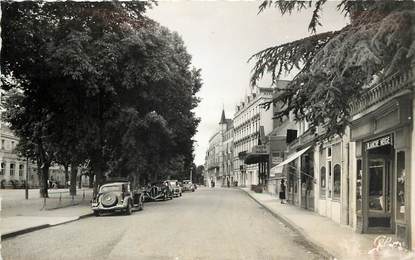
(259,149)
(382,141)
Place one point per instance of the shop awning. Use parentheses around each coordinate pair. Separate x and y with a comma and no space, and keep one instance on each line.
(252,158)
(276,173)
(259,154)
(290,158)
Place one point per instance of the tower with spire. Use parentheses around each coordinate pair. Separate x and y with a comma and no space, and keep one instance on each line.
(224,122)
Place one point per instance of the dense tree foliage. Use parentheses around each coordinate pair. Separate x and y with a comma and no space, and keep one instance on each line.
(111,86)
(336,67)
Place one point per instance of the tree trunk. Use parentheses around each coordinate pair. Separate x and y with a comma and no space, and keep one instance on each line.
(43,180)
(91,180)
(80,181)
(74,172)
(66,167)
(98,178)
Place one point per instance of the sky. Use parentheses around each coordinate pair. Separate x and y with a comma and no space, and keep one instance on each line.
(221,36)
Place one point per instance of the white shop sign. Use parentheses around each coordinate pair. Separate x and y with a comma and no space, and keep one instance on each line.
(382,141)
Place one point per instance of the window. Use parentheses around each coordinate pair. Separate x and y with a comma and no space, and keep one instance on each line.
(400,186)
(12,169)
(323,182)
(336,181)
(276,154)
(2,168)
(329,179)
(376,181)
(2,144)
(328,151)
(359,190)
(12,145)
(21,168)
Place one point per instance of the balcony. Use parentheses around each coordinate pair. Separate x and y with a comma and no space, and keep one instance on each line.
(390,87)
(305,139)
(212,165)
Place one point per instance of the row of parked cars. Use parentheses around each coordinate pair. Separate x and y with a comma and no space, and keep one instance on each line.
(120,196)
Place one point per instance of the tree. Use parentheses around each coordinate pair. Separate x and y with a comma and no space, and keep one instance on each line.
(336,67)
(116,87)
(28,120)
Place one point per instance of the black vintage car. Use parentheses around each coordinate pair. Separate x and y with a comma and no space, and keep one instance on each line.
(158,191)
(117,196)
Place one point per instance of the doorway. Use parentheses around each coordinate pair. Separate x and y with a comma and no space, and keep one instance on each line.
(380,190)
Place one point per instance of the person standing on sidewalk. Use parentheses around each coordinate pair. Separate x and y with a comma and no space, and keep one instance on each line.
(282,191)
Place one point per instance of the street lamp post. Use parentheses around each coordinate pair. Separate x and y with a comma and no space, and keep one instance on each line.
(27,179)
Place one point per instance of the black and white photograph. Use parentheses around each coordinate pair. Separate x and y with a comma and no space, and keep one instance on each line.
(207,130)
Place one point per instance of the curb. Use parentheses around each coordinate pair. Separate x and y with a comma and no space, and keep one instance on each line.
(23,231)
(39,227)
(296,229)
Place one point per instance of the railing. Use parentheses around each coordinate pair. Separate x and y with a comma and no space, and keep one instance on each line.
(13,201)
(61,199)
(387,88)
(212,166)
(305,138)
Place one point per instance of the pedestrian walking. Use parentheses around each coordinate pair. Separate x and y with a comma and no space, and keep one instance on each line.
(282,191)
(229,183)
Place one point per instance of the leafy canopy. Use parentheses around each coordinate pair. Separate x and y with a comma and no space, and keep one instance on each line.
(336,67)
(116,88)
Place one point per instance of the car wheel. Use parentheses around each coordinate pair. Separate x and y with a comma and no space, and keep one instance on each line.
(128,210)
(180,194)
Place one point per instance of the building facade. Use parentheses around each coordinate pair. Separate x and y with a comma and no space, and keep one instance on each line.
(381,158)
(13,169)
(218,162)
(249,120)
(226,126)
(363,178)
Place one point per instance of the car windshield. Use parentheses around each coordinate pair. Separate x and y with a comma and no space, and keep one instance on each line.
(173,183)
(111,188)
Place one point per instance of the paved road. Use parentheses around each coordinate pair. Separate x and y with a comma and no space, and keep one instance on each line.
(207,224)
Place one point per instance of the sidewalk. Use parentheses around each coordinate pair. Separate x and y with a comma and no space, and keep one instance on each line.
(19,216)
(338,241)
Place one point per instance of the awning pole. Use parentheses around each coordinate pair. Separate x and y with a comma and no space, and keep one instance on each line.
(312,177)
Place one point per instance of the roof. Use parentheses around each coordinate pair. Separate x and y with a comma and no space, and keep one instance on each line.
(223,118)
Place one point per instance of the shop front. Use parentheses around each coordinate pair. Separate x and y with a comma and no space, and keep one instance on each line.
(298,171)
(332,183)
(260,158)
(307,179)
(382,158)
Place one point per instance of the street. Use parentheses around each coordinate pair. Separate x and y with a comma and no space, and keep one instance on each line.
(214,223)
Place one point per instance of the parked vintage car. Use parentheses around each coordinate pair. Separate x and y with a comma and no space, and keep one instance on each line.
(188,186)
(177,189)
(117,196)
(158,191)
